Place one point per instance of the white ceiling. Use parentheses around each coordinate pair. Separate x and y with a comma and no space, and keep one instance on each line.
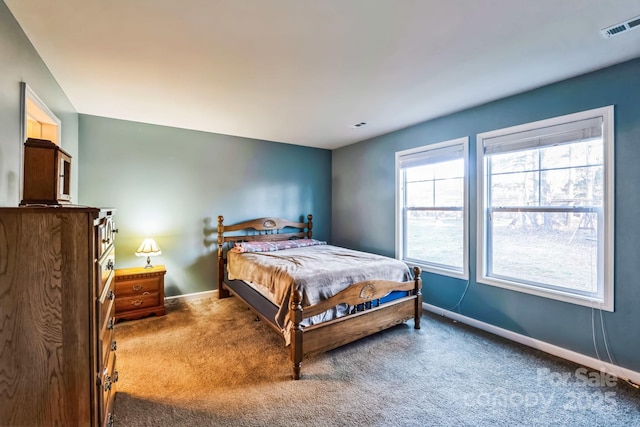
(303,71)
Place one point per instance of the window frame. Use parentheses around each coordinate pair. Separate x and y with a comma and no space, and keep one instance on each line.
(32,106)
(604,296)
(400,198)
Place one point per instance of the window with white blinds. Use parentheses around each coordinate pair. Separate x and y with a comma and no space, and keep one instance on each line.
(545,208)
(431,202)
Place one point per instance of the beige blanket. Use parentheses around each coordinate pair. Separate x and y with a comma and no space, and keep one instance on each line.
(318,272)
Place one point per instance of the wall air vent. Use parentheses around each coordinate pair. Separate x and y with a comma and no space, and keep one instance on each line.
(614,30)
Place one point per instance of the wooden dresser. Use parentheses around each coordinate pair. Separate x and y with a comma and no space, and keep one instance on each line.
(57,344)
(139,292)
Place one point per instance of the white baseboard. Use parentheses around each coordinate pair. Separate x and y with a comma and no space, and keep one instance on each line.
(192,297)
(555,350)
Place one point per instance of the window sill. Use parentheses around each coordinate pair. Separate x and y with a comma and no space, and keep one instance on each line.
(605,303)
(456,274)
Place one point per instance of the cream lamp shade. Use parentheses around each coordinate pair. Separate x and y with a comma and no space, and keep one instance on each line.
(148,248)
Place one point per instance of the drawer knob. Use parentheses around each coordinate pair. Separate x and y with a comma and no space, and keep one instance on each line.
(114,346)
(110,420)
(107,383)
(137,287)
(137,303)
(112,295)
(115,377)
(110,265)
(110,324)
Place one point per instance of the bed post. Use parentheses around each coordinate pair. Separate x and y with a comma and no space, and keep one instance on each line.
(417,290)
(222,291)
(296,332)
(309,232)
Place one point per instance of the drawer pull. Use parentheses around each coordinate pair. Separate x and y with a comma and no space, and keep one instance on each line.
(110,265)
(114,346)
(137,303)
(110,420)
(107,383)
(136,287)
(110,325)
(115,377)
(146,293)
(106,241)
(111,295)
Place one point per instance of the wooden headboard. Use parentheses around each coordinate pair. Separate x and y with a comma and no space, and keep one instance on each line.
(260,230)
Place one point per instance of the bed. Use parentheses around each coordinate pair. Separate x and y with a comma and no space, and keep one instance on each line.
(316,296)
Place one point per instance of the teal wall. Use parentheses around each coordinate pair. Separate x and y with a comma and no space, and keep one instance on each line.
(19,62)
(171,184)
(364,215)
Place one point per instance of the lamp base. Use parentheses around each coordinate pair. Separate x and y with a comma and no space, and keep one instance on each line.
(148,263)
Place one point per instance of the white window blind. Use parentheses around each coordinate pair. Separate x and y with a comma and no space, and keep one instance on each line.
(565,133)
(432,156)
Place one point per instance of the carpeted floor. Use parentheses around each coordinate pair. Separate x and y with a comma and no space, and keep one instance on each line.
(209,363)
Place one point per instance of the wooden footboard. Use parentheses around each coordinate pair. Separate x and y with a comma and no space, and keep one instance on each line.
(367,316)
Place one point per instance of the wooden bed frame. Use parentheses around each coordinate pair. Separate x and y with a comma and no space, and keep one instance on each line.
(368,316)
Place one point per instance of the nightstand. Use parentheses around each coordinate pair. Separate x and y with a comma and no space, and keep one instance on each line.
(139,292)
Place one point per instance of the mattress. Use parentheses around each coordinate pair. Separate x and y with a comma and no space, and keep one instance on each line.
(319,272)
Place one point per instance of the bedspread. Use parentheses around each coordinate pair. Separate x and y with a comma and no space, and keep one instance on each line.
(319,272)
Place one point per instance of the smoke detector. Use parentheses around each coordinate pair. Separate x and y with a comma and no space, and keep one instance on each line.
(620,28)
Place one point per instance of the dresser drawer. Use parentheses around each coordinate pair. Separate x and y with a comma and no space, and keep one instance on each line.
(106,333)
(107,390)
(108,345)
(106,234)
(105,307)
(107,291)
(109,420)
(106,269)
(137,286)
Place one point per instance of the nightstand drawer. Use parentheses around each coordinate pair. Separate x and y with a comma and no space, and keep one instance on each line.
(137,286)
(137,302)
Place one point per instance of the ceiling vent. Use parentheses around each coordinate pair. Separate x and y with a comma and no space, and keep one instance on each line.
(620,28)
(358,125)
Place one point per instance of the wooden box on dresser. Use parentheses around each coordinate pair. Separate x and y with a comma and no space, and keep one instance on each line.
(57,344)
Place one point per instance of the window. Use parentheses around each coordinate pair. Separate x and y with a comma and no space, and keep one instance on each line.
(431,201)
(545,200)
(37,120)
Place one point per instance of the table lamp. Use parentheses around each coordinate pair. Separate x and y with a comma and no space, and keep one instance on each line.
(148,248)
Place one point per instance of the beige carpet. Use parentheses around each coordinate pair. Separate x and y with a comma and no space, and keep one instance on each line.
(209,363)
